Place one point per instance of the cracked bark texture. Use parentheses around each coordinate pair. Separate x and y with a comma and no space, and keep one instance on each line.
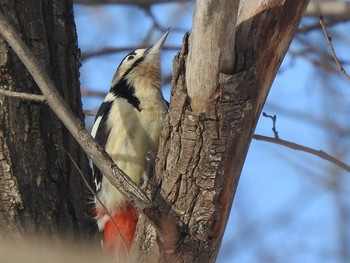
(207,134)
(40,190)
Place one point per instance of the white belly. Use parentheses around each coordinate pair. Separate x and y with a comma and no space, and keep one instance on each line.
(132,135)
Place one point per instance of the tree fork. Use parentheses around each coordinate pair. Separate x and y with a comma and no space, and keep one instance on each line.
(208,132)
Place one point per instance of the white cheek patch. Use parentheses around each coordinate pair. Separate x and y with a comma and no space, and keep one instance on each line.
(126,64)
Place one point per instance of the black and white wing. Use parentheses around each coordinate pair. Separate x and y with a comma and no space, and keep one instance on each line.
(100,133)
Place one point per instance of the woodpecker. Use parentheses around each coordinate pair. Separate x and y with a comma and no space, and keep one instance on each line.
(128,124)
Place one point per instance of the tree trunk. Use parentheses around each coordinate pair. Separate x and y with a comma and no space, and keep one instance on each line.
(41,191)
(212,117)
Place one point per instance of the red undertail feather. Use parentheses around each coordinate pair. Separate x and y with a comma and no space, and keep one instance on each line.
(126,222)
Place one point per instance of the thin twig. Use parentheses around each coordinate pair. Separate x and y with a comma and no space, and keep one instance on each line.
(295,146)
(333,22)
(23,96)
(156,24)
(92,93)
(273,118)
(90,113)
(140,3)
(319,62)
(97,198)
(329,40)
(106,51)
(94,151)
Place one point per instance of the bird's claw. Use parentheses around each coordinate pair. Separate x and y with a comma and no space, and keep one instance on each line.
(151,157)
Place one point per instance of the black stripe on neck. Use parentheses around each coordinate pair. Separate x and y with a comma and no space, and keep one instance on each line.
(127,91)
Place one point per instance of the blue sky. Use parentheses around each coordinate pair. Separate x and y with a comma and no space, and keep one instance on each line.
(284,209)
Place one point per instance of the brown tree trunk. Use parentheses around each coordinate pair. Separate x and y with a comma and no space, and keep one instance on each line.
(211,122)
(40,190)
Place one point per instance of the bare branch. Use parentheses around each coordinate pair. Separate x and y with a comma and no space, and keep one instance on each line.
(329,40)
(318,153)
(142,3)
(106,51)
(156,25)
(94,151)
(316,62)
(93,93)
(23,96)
(273,118)
(316,26)
(90,113)
(337,10)
(328,124)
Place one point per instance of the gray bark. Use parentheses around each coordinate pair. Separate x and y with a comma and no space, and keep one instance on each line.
(41,191)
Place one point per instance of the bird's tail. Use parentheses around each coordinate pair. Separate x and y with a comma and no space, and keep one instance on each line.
(118,238)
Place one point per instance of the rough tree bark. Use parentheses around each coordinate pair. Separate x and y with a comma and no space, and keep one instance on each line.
(41,191)
(211,122)
(203,145)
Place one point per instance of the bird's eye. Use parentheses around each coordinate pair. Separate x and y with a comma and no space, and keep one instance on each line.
(130,57)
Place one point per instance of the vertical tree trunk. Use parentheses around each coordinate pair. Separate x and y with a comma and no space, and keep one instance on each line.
(211,121)
(40,189)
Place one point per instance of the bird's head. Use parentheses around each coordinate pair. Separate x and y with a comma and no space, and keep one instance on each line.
(141,65)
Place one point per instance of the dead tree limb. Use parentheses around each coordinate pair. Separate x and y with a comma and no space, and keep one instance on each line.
(298,147)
